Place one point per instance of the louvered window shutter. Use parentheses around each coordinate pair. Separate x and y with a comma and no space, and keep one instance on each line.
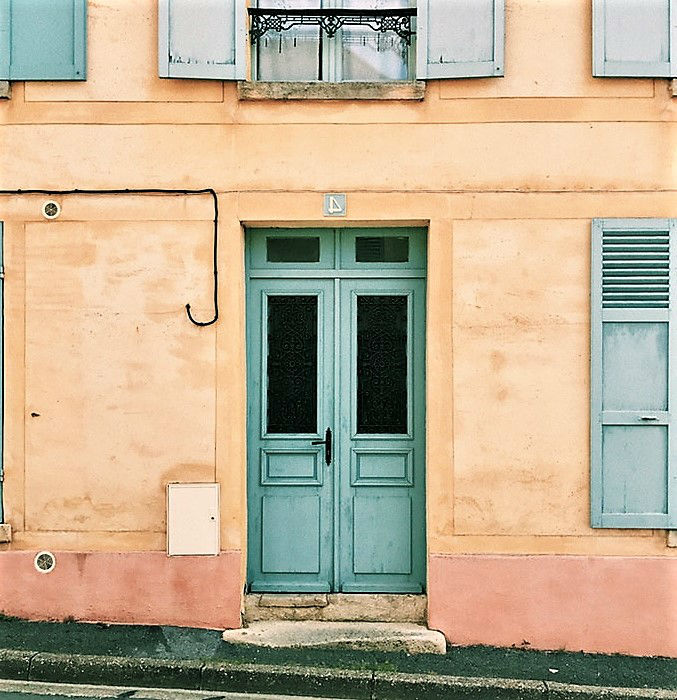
(633,452)
(460,38)
(635,38)
(202,39)
(43,40)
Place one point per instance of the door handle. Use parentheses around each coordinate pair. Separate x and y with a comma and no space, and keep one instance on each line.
(649,418)
(327,445)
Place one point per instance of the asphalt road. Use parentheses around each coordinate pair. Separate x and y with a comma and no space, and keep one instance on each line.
(143,641)
(29,690)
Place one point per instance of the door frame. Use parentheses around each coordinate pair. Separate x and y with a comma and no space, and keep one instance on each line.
(416,268)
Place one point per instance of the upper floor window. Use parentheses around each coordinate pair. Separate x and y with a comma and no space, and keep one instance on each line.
(332,41)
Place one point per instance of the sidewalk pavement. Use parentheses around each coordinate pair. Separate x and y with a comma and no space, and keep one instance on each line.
(172,657)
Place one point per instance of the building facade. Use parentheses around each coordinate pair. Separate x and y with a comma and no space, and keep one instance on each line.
(431,265)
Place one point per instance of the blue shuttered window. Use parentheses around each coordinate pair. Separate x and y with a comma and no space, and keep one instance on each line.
(460,39)
(635,38)
(633,382)
(43,40)
(205,39)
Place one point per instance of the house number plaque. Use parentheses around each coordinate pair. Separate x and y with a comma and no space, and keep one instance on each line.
(334,205)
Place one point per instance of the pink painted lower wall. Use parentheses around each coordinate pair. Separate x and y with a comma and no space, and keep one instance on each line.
(622,605)
(139,587)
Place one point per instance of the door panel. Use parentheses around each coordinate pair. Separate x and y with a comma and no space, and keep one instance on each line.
(381,442)
(381,534)
(291,340)
(291,534)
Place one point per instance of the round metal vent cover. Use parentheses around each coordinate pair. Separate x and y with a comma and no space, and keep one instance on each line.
(51,209)
(44,562)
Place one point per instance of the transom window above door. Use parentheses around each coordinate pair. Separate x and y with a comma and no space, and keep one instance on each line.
(353,249)
(332,40)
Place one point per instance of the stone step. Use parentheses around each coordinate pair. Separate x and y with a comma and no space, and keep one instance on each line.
(335,607)
(365,636)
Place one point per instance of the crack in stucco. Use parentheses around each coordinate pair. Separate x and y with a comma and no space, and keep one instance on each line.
(30,666)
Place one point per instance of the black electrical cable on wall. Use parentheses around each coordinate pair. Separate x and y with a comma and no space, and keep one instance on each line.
(154,190)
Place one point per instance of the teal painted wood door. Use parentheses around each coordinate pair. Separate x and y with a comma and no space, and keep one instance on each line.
(336,421)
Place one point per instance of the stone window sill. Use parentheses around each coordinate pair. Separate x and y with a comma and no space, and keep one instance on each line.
(673,87)
(5,89)
(400,90)
(5,532)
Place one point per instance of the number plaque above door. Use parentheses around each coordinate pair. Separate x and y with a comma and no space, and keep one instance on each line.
(334,205)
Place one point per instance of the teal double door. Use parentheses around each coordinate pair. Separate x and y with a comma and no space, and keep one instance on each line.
(336,410)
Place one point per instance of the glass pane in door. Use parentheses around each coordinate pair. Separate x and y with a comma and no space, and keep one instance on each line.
(292,364)
(291,249)
(375,249)
(381,364)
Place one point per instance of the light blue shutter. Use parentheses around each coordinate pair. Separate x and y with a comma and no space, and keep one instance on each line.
(635,38)
(460,38)
(633,453)
(202,39)
(43,40)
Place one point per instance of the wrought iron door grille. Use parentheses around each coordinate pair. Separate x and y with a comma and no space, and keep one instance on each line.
(396,20)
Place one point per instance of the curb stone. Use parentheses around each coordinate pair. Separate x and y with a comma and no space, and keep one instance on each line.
(15,665)
(296,680)
(278,680)
(568,691)
(409,686)
(115,670)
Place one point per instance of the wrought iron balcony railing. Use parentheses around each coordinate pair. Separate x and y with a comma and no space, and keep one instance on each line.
(397,20)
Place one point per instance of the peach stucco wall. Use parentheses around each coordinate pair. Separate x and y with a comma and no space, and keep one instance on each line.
(506,174)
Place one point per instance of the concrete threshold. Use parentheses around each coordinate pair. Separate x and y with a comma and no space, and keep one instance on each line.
(336,607)
(365,636)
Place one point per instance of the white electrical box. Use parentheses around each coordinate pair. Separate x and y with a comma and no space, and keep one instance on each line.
(193,519)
